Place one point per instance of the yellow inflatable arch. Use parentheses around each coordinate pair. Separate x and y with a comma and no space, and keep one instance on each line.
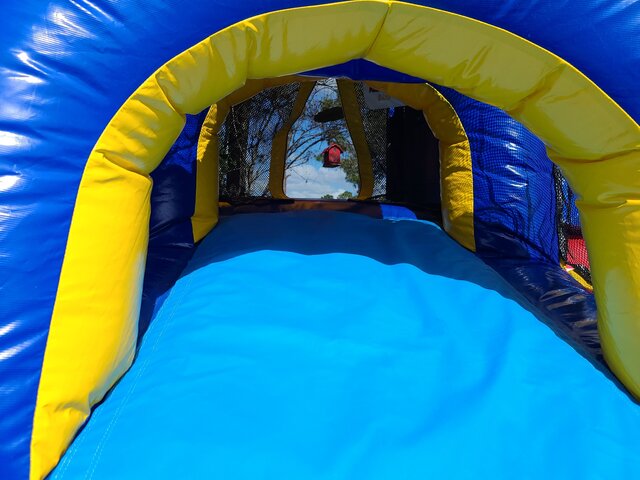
(598,152)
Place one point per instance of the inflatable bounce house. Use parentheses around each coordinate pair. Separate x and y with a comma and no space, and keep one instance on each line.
(170,307)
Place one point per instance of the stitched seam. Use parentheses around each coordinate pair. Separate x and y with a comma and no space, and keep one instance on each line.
(384,20)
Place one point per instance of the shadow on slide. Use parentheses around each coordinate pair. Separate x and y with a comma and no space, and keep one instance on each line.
(418,243)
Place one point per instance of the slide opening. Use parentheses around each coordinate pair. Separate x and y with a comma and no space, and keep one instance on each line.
(320,157)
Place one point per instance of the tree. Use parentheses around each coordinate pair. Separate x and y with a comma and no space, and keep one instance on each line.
(245,139)
(351,172)
(345,195)
(328,196)
(307,133)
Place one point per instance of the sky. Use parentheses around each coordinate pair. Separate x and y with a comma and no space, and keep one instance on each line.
(311,180)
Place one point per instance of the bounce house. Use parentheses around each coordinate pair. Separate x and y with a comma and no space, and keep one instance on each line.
(172,307)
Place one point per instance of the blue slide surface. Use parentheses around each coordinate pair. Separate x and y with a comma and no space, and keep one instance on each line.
(325,345)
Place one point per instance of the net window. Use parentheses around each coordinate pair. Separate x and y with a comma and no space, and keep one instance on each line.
(321,161)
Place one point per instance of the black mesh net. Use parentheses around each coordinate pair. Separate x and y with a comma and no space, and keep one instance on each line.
(573,250)
(375,126)
(246,138)
(392,134)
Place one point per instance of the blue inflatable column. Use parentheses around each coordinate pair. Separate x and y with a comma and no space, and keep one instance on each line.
(515,220)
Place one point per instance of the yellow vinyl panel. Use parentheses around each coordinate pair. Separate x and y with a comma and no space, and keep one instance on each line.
(456,174)
(594,141)
(205,215)
(93,340)
(353,119)
(281,140)
(502,69)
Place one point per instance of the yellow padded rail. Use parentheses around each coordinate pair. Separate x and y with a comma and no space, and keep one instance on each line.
(280,141)
(92,331)
(205,215)
(353,119)
(456,174)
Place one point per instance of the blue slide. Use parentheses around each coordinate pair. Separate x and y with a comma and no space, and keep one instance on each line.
(326,345)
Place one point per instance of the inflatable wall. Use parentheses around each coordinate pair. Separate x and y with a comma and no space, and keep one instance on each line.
(109,119)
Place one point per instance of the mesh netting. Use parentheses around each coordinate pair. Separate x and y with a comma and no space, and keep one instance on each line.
(374,123)
(245,141)
(392,134)
(320,126)
(512,183)
(573,250)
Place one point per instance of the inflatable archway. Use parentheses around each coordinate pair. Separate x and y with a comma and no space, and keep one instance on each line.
(77,192)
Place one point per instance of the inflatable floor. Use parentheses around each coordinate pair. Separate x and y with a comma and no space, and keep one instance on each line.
(266,361)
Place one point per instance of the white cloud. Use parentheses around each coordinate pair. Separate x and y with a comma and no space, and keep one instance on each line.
(311,180)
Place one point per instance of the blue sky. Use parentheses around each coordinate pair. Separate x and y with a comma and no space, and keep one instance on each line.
(311,180)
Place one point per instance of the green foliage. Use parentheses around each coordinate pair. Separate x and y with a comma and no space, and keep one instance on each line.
(349,163)
(328,196)
(345,195)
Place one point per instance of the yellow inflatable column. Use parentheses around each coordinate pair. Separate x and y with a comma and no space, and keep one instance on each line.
(456,175)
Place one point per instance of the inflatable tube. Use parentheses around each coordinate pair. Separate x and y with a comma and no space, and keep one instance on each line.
(67,69)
